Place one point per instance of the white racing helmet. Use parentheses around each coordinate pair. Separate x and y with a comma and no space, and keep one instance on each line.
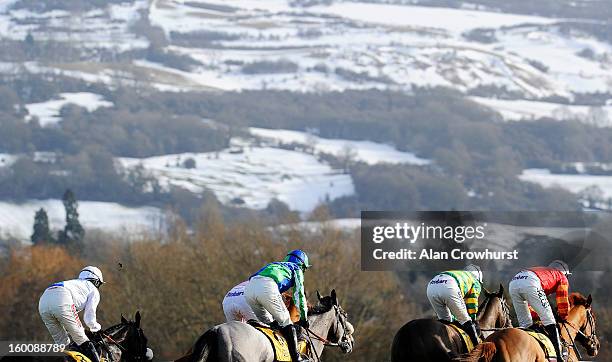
(93,274)
(475,270)
(561,266)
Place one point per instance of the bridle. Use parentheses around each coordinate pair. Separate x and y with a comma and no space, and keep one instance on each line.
(125,353)
(591,339)
(343,342)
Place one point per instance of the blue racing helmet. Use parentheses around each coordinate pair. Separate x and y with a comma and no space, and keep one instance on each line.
(299,257)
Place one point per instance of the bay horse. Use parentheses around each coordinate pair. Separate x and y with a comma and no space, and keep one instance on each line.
(515,345)
(431,340)
(238,341)
(123,342)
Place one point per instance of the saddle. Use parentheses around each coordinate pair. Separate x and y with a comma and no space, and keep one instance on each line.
(278,341)
(544,342)
(78,356)
(467,341)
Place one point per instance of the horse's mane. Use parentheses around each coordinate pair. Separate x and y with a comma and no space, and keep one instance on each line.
(319,308)
(485,303)
(577,299)
(483,306)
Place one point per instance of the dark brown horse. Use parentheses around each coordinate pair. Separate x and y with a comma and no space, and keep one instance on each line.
(430,340)
(515,345)
(124,342)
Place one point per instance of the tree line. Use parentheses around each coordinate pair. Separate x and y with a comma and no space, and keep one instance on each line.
(194,268)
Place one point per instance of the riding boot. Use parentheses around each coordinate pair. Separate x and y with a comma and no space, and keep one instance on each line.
(290,333)
(470,328)
(553,334)
(89,350)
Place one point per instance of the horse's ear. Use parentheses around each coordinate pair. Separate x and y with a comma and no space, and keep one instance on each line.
(487,293)
(589,301)
(123,320)
(334,297)
(319,296)
(501,290)
(137,319)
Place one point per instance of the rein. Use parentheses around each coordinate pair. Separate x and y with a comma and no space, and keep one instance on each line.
(107,338)
(310,334)
(110,339)
(590,338)
(573,344)
(325,341)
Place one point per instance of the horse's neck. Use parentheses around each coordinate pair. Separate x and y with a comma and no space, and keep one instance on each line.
(113,353)
(490,315)
(320,324)
(568,333)
(575,319)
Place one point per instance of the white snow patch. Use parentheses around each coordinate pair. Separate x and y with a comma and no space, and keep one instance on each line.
(7,159)
(452,20)
(347,224)
(524,110)
(49,112)
(572,183)
(365,151)
(104,27)
(252,176)
(17,219)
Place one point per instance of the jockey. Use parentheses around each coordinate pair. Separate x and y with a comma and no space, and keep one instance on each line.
(60,304)
(263,294)
(235,306)
(530,288)
(454,294)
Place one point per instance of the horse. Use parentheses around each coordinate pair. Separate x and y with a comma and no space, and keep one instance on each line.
(239,341)
(431,340)
(515,345)
(123,342)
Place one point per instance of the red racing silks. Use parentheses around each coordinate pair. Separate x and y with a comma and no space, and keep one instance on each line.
(554,281)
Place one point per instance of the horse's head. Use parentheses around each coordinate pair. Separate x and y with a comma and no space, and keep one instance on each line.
(494,312)
(341,331)
(586,335)
(130,339)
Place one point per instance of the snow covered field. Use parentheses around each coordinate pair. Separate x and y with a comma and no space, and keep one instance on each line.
(251,174)
(17,219)
(107,27)
(573,183)
(386,45)
(450,20)
(365,151)
(49,112)
(341,45)
(247,175)
(525,110)
(347,224)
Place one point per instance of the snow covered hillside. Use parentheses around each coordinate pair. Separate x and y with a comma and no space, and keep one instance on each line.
(281,44)
(16,220)
(364,151)
(525,110)
(251,176)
